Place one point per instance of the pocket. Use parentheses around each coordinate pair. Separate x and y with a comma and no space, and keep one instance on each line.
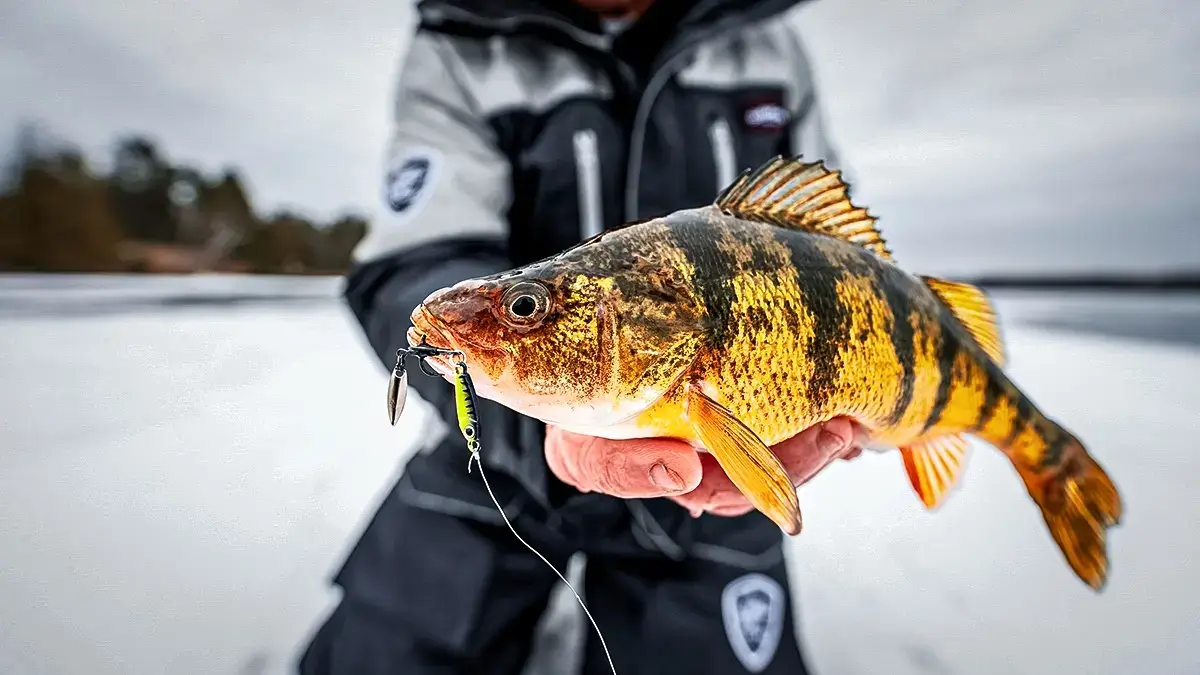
(398,572)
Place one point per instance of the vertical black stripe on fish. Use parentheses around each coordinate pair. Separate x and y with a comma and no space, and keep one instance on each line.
(817,278)
(711,278)
(764,258)
(992,392)
(893,286)
(947,354)
(761,258)
(1022,418)
(1056,442)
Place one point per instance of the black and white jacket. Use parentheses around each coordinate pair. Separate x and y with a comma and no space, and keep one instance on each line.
(523,126)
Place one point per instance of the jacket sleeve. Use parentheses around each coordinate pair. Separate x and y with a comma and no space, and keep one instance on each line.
(447,188)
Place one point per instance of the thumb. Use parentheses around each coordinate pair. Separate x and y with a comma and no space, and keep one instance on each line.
(630,469)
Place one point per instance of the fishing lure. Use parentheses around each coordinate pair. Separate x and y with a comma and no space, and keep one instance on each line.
(464,403)
(466,409)
(398,384)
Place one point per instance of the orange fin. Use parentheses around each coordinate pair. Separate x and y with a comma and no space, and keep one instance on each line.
(748,462)
(971,306)
(799,195)
(934,466)
(1079,502)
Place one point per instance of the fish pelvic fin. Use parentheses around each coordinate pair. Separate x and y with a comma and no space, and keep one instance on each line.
(973,309)
(798,195)
(934,467)
(748,462)
(1079,503)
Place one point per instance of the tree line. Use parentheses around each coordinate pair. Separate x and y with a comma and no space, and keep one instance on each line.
(147,214)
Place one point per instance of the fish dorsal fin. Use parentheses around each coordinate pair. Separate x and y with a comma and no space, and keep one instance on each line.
(800,195)
(971,306)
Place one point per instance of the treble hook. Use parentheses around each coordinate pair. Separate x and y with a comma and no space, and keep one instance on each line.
(398,384)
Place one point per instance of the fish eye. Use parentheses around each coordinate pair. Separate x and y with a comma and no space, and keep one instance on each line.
(524,306)
(525,303)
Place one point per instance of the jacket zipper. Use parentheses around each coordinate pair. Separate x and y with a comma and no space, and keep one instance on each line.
(724,157)
(662,74)
(587,174)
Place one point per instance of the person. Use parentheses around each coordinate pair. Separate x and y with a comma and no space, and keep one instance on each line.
(521,128)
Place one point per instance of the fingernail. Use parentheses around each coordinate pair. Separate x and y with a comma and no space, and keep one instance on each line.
(861,437)
(732,510)
(829,443)
(665,479)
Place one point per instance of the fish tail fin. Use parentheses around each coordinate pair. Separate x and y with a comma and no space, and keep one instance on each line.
(1079,503)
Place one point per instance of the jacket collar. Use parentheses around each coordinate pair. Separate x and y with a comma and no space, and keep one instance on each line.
(567,19)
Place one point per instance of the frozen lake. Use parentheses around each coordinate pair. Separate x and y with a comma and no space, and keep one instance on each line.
(184,461)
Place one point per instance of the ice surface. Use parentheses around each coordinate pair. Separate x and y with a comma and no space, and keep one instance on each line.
(176,486)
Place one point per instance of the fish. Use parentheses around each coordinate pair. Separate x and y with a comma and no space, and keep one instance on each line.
(738,324)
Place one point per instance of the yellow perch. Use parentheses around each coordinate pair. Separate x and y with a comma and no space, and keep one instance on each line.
(737,325)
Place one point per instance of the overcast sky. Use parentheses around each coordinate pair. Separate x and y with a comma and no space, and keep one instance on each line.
(1015,134)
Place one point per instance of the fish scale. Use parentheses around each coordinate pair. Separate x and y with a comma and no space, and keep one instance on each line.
(740,324)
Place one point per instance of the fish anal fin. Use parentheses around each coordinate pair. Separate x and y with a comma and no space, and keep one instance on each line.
(934,467)
(748,462)
(973,309)
(799,195)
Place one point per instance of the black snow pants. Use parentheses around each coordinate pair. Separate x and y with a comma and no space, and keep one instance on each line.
(437,586)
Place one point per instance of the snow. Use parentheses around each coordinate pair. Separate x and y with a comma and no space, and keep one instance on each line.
(177,482)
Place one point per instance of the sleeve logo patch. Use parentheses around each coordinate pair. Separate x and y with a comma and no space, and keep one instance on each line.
(410,180)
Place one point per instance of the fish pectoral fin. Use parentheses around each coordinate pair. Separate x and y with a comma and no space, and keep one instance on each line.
(934,467)
(798,195)
(748,462)
(971,306)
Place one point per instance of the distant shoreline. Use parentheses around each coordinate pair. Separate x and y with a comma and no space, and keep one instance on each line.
(291,284)
(1090,282)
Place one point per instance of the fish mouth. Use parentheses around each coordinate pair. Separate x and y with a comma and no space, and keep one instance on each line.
(426,329)
(431,328)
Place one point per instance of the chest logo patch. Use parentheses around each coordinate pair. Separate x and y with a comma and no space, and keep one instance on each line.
(752,608)
(766,116)
(410,180)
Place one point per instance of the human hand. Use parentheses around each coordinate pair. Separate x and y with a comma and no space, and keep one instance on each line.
(658,467)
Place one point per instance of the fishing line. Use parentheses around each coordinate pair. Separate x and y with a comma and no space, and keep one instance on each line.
(478,462)
(468,424)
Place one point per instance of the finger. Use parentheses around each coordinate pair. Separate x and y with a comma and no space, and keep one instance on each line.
(561,446)
(715,490)
(636,468)
(556,445)
(733,510)
(862,436)
(810,451)
(803,456)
